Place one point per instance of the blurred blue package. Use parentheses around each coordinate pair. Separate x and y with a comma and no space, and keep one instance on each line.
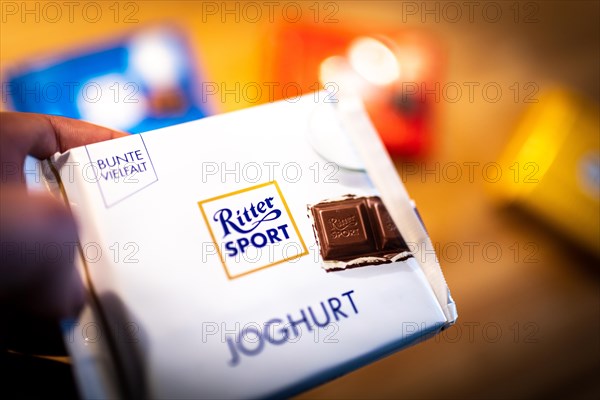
(143,81)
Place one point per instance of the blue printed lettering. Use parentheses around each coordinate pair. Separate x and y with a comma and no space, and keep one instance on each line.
(258,337)
(246,216)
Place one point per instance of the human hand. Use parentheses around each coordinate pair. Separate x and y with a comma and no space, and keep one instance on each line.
(39,284)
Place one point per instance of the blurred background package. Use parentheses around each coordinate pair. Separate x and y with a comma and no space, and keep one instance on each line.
(391,69)
(142,81)
(555,149)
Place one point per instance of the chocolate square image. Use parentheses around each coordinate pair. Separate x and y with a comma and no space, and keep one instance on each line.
(356,231)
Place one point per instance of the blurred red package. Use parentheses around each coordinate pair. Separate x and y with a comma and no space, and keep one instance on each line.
(394,70)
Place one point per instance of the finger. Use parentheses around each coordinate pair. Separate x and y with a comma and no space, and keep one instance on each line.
(39,239)
(41,136)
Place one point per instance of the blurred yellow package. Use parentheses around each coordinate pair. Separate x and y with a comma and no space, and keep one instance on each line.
(552,166)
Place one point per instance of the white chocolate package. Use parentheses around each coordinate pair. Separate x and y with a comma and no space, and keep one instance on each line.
(205,248)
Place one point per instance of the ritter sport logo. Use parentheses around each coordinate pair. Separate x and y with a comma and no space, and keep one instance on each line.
(252,229)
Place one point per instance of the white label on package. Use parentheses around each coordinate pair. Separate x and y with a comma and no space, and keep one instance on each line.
(120,169)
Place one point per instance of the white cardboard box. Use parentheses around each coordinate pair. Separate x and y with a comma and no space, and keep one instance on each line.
(174,314)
